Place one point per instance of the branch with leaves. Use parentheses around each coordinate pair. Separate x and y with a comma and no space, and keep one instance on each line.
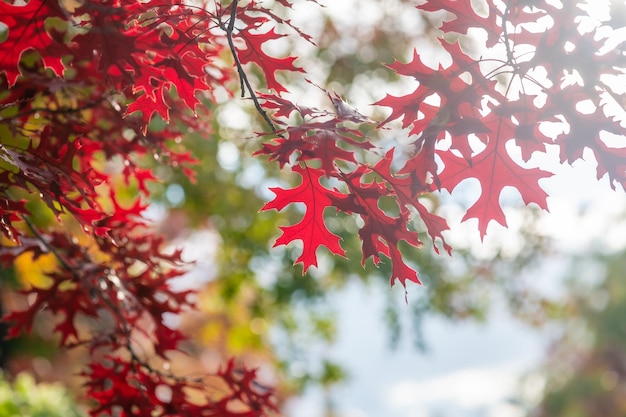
(92,92)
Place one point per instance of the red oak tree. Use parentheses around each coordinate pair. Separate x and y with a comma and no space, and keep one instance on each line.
(92,89)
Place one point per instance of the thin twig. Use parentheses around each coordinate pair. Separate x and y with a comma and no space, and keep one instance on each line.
(505,33)
(245,83)
(64,263)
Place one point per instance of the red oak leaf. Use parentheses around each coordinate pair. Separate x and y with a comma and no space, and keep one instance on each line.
(311,230)
(466,17)
(406,189)
(381,232)
(494,169)
(254,53)
(25,26)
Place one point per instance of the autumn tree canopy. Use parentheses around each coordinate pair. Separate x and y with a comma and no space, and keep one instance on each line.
(96,95)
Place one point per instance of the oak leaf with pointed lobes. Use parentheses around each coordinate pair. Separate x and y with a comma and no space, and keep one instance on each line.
(283,108)
(447,84)
(406,190)
(312,229)
(494,168)
(25,31)
(466,17)
(268,64)
(522,121)
(381,232)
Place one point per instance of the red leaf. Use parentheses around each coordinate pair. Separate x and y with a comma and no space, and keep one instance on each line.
(406,189)
(466,17)
(25,25)
(381,232)
(494,169)
(311,230)
(254,53)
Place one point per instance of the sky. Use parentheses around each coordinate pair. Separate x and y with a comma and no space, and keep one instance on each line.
(468,368)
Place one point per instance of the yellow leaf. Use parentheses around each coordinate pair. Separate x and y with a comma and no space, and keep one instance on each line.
(33,272)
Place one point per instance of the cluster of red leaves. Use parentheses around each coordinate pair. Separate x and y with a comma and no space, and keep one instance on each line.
(530,74)
(320,149)
(81,94)
(495,100)
(122,388)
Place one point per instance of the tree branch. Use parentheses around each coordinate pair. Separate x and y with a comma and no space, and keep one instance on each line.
(245,83)
(64,263)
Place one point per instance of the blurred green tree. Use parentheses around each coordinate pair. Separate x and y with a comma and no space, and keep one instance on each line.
(585,370)
(25,398)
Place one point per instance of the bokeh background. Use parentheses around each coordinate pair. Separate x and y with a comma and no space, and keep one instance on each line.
(528,322)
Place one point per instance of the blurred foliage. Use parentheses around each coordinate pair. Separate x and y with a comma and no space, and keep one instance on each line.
(26,398)
(585,370)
